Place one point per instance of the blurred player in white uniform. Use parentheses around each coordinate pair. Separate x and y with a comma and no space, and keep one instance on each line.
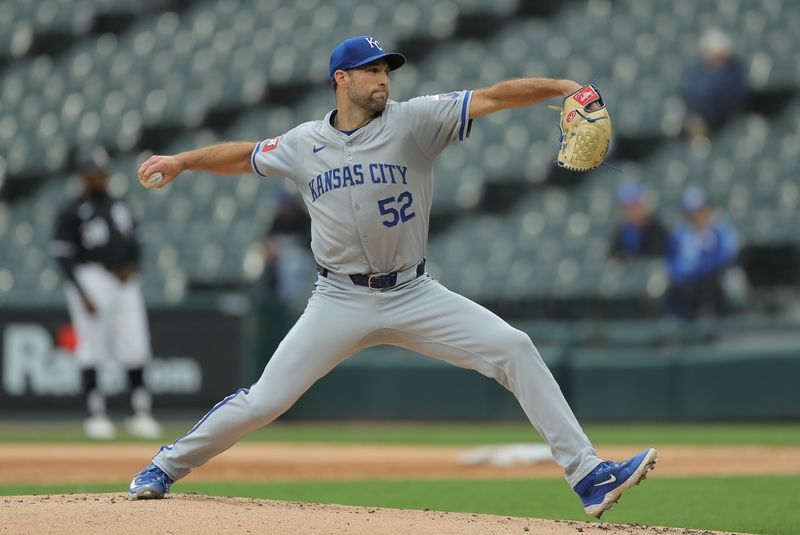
(96,247)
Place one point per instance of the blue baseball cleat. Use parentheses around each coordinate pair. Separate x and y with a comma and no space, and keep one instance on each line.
(601,489)
(150,484)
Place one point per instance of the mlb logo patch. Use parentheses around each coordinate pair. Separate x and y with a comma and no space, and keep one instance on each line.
(586,96)
(270,144)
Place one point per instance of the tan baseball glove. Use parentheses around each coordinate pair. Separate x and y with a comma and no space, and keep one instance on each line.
(585,130)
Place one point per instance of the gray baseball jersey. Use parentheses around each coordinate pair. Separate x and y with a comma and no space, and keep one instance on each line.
(369,196)
(369,193)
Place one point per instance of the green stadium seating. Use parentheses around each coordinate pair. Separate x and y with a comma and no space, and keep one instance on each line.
(225,57)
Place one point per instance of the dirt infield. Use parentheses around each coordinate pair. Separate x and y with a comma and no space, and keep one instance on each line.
(193,514)
(96,463)
(90,514)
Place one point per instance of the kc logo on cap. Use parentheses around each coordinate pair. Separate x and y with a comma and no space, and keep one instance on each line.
(374,43)
(360,50)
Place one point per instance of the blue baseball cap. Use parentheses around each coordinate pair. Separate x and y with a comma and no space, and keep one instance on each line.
(694,199)
(358,51)
(630,192)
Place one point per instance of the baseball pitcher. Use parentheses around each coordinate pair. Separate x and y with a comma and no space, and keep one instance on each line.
(365,173)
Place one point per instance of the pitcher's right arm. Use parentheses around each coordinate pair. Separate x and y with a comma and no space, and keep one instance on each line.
(229,158)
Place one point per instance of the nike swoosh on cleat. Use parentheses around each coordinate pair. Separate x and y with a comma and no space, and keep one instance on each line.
(610,479)
(317,149)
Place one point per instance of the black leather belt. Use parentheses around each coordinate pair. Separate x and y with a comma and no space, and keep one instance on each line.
(376,281)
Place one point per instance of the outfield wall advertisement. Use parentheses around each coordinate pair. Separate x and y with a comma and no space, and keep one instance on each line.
(197,361)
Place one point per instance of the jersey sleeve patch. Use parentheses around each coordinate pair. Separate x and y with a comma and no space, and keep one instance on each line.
(275,156)
(270,144)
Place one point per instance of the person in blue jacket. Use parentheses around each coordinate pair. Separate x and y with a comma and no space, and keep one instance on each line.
(700,250)
(716,89)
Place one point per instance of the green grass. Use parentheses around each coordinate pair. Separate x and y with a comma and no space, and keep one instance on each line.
(764,504)
(453,434)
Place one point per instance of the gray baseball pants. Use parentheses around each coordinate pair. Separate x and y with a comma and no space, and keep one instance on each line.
(422,316)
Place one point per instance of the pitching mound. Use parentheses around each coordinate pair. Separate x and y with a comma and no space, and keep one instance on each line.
(198,515)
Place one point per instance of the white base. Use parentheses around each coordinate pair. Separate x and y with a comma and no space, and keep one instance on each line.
(507,455)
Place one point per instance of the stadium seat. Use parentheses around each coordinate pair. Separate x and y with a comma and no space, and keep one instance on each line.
(214,57)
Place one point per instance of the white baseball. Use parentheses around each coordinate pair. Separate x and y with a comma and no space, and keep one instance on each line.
(153,181)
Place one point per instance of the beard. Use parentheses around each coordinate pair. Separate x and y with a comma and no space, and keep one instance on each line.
(369,101)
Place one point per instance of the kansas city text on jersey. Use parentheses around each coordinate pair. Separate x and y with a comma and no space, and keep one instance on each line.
(356,175)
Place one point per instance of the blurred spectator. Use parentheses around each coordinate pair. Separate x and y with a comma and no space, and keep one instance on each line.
(717,89)
(641,233)
(701,250)
(289,268)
